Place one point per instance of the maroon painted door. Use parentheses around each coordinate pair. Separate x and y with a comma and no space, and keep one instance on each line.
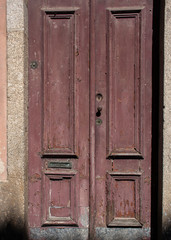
(90,119)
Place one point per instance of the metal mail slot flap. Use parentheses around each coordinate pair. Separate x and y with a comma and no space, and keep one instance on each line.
(66,165)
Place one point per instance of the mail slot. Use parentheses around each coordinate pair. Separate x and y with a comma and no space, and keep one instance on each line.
(66,165)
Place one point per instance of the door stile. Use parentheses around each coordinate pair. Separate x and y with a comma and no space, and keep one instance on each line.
(58,174)
(92,199)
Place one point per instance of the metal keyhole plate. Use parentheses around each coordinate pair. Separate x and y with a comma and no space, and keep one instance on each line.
(98,121)
(98,113)
(34,65)
(99,97)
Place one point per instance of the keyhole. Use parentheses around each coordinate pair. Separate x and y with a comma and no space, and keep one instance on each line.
(99,97)
(98,113)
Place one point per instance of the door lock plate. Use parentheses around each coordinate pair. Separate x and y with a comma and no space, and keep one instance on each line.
(34,65)
(98,121)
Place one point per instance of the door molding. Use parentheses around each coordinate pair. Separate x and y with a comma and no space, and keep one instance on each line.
(92,197)
(157,117)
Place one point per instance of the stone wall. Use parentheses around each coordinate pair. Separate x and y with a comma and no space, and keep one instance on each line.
(167,120)
(13,190)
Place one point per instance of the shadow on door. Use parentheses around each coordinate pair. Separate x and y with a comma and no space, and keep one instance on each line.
(157,118)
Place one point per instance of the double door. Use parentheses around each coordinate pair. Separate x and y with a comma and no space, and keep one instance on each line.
(90,119)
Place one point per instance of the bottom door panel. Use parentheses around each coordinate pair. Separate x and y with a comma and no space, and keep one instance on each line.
(60,198)
(123,199)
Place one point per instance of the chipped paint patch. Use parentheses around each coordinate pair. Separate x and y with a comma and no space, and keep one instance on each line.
(84,216)
(35,178)
(2,167)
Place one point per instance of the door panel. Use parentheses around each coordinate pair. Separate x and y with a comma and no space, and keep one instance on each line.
(90,119)
(60,99)
(58,114)
(123,199)
(123,52)
(60,198)
(123,40)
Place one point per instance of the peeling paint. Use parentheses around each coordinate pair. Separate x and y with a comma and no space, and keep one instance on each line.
(84,216)
(2,167)
(35,177)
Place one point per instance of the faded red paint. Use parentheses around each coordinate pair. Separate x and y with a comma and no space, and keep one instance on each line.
(58,112)
(95,115)
(123,141)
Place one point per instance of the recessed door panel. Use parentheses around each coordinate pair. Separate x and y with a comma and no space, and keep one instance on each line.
(123,199)
(60,34)
(60,198)
(124,47)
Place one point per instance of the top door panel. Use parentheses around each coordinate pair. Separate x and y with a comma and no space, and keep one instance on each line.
(124,46)
(60,34)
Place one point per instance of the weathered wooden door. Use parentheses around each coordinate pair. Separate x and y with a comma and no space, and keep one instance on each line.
(90,119)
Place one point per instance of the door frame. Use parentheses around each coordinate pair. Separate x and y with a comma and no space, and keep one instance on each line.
(157,118)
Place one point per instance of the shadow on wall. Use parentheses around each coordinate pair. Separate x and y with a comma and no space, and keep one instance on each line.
(167,233)
(11,231)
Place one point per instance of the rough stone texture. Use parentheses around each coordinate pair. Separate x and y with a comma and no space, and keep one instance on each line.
(122,233)
(59,234)
(167,121)
(15,15)
(12,192)
(3,96)
(82,234)
(26,103)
